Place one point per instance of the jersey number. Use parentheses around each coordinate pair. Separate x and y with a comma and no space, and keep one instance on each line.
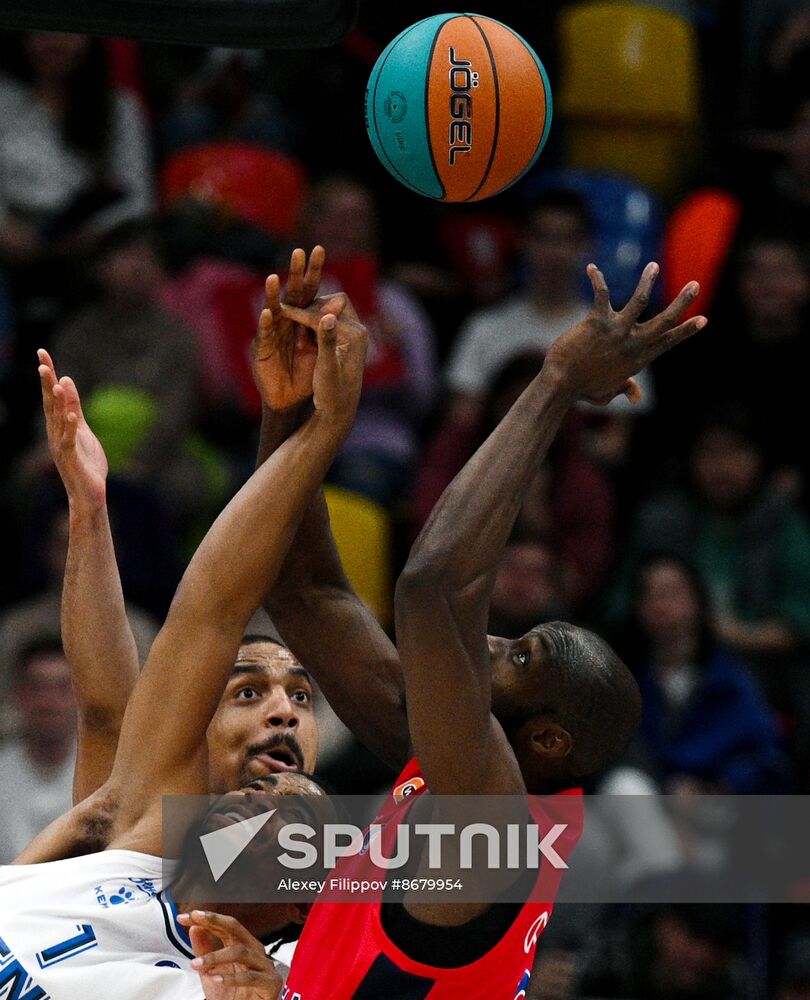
(83,941)
(16,983)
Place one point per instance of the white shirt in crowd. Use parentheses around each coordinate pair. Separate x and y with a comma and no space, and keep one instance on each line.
(30,799)
(40,175)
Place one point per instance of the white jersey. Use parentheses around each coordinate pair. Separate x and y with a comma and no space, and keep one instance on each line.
(98,927)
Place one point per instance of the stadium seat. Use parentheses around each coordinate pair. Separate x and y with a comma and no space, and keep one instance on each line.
(697,241)
(362,531)
(628,89)
(253,184)
(627,221)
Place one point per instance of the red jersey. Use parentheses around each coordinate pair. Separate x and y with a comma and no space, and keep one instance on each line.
(345,954)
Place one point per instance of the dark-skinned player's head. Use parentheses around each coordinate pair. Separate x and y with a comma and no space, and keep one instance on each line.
(566,701)
(245,889)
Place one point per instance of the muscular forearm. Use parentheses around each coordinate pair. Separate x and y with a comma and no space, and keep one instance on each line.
(277,426)
(471,523)
(98,644)
(313,560)
(255,530)
(328,627)
(96,634)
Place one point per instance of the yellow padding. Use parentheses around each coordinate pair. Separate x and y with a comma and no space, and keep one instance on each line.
(362,530)
(626,62)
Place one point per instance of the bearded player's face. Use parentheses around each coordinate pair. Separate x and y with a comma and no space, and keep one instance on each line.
(265,723)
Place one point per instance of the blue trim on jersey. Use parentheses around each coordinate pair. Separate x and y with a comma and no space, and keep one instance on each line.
(176,933)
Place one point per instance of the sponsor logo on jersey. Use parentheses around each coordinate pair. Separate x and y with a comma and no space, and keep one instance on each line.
(523,985)
(287,994)
(121,893)
(535,931)
(409,787)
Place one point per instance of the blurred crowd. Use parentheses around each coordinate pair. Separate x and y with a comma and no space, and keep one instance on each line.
(146,191)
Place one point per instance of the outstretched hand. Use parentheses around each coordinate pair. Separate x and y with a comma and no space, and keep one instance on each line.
(284,352)
(75,449)
(342,340)
(231,962)
(597,359)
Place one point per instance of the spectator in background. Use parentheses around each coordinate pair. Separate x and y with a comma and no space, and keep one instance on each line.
(555,246)
(570,505)
(775,66)
(399,386)
(760,342)
(674,952)
(225,97)
(39,615)
(140,385)
(553,976)
(528,588)
(751,545)
(787,203)
(74,160)
(706,726)
(36,767)
(793,980)
(70,146)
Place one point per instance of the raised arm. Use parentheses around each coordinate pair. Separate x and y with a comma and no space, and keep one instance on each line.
(192,657)
(96,633)
(347,652)
(442,598)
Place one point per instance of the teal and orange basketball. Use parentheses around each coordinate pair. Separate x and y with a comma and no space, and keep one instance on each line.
(458,107)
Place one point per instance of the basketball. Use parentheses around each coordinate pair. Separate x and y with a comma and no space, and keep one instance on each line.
(458,107)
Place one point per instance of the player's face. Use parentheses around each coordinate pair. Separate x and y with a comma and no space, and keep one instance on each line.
(265,723)
(518,666)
